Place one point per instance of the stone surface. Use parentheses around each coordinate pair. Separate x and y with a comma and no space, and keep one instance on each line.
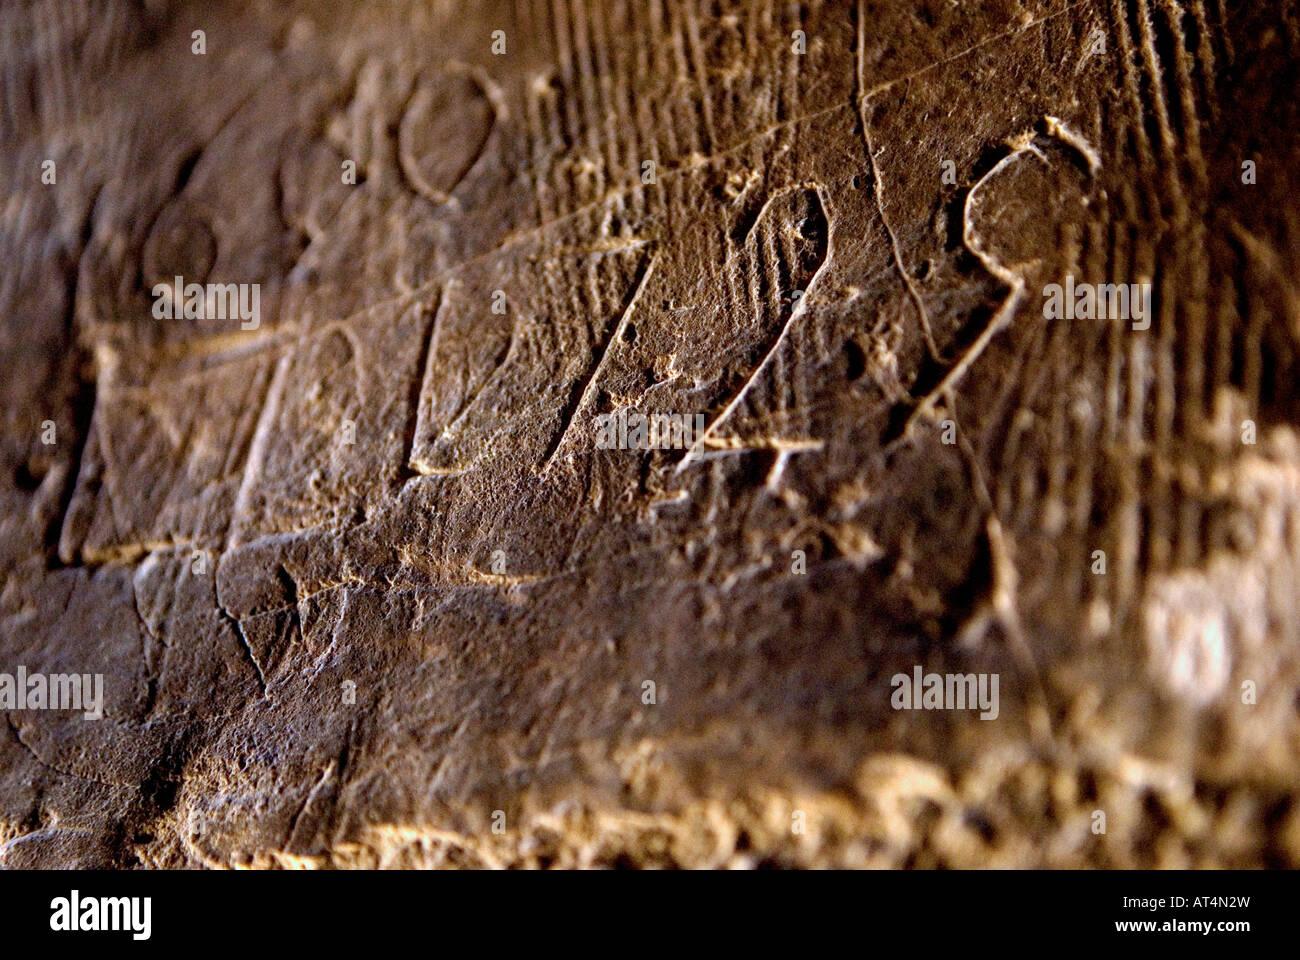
(361,582)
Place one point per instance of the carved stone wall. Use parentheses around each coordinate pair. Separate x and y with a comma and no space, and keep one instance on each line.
(366,580)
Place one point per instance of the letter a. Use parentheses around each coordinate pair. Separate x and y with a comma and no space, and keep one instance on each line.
(59,918)
(902,696)
(1055,298)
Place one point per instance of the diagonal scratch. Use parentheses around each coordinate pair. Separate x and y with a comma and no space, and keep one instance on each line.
(49,766)
(693,454)
(601,354)
(243,640)
(1004,313)
(311,795)
(881,87)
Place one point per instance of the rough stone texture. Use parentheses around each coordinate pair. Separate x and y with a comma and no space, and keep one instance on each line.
(1102,139)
